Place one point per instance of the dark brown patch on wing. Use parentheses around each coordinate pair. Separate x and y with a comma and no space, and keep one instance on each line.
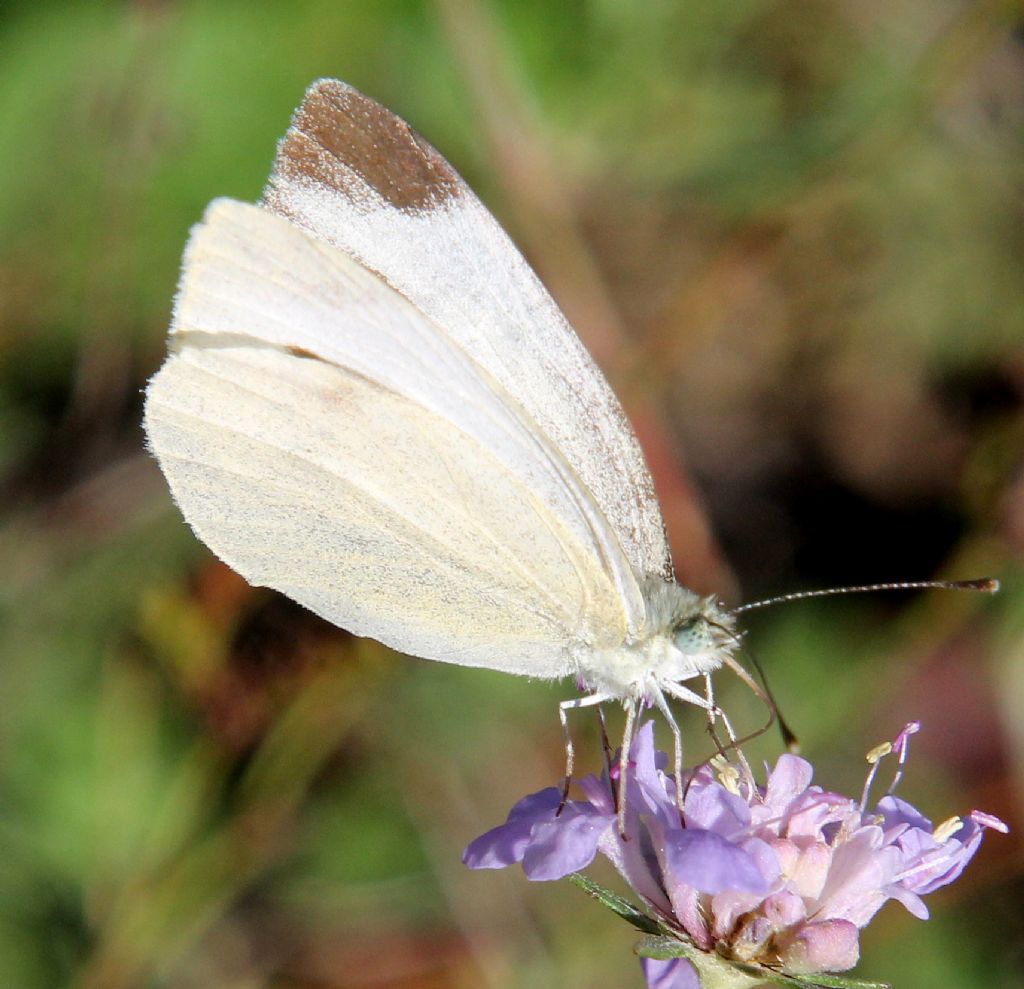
(303,353)
(346,141)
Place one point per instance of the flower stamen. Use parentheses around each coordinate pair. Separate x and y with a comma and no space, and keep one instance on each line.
(874,757)
(902,747)
(947,829)
(728,775)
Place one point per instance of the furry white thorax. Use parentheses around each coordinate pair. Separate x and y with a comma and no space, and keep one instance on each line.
(638,670)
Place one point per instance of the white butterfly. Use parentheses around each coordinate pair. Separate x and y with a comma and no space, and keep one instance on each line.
(373,406)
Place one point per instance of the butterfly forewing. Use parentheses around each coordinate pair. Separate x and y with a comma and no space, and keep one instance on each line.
(358,177)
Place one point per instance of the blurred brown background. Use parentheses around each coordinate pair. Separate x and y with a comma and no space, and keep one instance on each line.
(791,234)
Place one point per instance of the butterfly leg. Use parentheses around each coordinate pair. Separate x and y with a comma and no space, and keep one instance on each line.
(606,745)
(570,753)
(681,693)
(734,744)
(677,744)
(627,742)
(709,696)
(707,702)
(714,713)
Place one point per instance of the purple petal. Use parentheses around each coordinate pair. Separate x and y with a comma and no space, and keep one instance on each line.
(690,910)
(914,904)
(895,811)
(636,861)
(642,755)
(812,814)
(712,807)
(671,973)
(913,844)
(806,867)
(710,863)
(648,790)
(945,863)
(828,946)
(598,791)
(784,909)
(790,777)
(566,844)
(928,864)
(506,844)
(861,870)
(765,859)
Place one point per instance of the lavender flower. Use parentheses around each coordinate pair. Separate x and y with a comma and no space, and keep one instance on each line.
(782,876)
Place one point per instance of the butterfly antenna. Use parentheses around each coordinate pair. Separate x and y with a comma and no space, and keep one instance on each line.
(789,737)
(986,585)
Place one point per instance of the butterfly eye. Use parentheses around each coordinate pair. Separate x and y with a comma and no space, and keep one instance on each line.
(693,636)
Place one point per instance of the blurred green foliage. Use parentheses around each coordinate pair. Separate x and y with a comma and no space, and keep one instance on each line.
(794,228)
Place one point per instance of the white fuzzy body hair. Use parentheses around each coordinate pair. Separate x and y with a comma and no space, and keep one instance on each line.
(640,669)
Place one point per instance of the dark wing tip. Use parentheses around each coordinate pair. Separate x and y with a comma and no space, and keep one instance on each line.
(328,84)
(345,141)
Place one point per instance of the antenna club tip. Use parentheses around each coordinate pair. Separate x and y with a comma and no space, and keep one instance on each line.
(987,585)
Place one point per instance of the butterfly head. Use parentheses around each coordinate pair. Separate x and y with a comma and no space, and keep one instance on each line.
(695,628)
(685,636)
(701,634)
